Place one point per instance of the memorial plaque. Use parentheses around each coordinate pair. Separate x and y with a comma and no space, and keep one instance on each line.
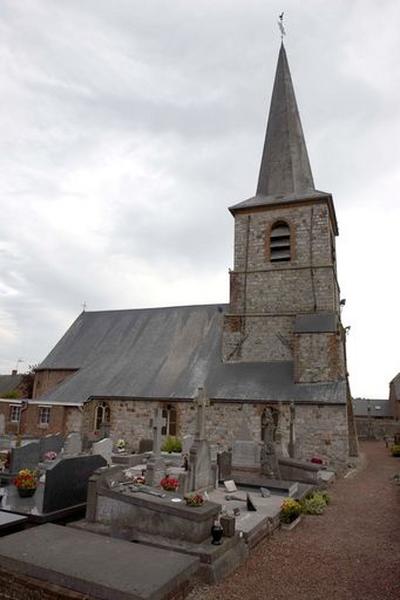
(246,454)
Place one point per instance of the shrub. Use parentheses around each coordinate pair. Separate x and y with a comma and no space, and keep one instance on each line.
(325,496)
(290,510)
(315,503)
(172,444)
(395,450)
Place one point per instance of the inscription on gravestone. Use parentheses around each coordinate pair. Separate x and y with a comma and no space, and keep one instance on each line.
(67,481)
(245,454)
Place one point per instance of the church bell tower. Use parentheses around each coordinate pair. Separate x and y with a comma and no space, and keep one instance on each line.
(284,292)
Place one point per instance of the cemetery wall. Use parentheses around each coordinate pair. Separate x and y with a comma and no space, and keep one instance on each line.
(376,429)
(320,430)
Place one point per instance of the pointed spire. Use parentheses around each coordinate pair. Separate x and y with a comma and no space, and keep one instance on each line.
(285,167)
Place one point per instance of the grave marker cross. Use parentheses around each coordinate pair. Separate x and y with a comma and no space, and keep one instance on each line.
(201,401)
(157,424)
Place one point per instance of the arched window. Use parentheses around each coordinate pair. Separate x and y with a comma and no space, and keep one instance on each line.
(279,244)
(169,416)
(101,416)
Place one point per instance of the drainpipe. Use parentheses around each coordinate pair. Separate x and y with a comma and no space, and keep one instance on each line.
(24,406)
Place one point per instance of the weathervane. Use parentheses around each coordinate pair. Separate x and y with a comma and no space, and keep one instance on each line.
(281,26)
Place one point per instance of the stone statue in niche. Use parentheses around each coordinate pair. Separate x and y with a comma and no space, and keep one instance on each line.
(269,459)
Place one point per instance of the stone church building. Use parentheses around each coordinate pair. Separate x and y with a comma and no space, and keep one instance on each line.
(279,342)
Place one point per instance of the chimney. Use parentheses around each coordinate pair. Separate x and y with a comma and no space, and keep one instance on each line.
(14,372)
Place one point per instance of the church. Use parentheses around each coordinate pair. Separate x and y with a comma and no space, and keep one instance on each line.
(279,342)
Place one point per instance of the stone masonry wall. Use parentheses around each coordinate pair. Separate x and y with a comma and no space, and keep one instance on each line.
(320,430)
(266,296)
(48,379)
(319,357)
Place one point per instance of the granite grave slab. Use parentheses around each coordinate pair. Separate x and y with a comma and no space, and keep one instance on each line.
(80,561)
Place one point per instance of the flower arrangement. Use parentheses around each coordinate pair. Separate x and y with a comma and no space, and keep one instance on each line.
(290,510)
(194,500)
(50,455)
(26,479)
(121,445)
(395,450)
(169,484)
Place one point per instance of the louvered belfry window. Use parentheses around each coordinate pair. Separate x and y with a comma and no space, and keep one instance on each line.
(280,242)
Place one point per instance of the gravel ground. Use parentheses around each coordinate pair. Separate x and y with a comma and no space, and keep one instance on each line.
(352,552)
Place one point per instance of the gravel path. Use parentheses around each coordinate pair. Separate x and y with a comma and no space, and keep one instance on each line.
(352,552)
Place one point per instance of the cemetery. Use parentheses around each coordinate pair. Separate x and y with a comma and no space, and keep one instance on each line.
(204,508)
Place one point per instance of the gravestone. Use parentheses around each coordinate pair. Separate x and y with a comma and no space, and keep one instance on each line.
(73,444)
(145,445)
(25,457)
(187,443)
(103,448)
(201,474)
(2,424)
(230,485)
(224,461)
(67,481)
(246,454)
(214,452)
(51,443)
(155,470)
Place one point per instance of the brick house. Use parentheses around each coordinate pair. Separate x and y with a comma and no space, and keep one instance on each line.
(394,396)
(279,340)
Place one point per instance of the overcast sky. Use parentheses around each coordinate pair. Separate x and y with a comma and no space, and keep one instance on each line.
(128,128)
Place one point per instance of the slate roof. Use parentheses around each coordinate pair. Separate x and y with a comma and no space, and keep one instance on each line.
(8,383)
(167,353)
(285,167)
(285,172)
(316,323)
(377,408)
(395,386)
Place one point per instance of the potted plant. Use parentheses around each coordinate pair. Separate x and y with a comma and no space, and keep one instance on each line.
(169,484)
(194,500)
(395,450)
(26,482)
(121,445)
(290,513)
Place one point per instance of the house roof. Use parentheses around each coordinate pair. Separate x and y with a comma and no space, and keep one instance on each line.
(167,353)
(395,386)
(364,407)
(9,383)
